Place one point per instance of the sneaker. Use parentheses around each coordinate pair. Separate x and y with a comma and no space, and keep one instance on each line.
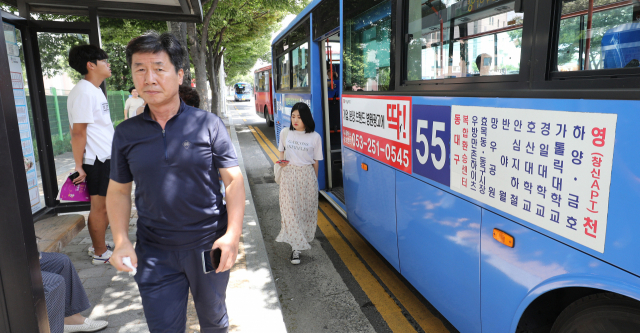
(295,257)
(103,259)
(91,250)
(89,325)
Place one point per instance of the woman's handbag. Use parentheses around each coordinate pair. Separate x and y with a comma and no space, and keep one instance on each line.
(277,169)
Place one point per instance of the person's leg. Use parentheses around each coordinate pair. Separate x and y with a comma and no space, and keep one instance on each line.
(97,223)
(54,293)
(76,299)
(209,292)
(164,289)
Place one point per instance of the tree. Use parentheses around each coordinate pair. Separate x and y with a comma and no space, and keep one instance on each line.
(227,25)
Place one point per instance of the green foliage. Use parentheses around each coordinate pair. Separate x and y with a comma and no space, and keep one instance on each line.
(241,29)
(117,122)
(572,37)
(116,34)
(61,146)
(245,77)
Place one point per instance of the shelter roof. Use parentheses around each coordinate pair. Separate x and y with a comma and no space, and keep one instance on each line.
(162,10)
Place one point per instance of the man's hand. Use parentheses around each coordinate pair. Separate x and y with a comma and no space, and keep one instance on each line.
(121,251)
(228,244)
(82,175)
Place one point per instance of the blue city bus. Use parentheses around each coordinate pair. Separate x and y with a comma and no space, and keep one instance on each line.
(486,149)
(241,92)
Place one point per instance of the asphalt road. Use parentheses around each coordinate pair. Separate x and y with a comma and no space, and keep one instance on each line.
(342,284)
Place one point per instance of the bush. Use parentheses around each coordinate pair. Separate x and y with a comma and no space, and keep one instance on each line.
(61,146)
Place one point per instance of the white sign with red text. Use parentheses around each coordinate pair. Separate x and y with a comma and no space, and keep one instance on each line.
(549,168)
(379,127)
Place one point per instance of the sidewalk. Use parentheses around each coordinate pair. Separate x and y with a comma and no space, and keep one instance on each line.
(252,299)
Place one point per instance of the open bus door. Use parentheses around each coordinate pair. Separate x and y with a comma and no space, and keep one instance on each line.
(330,68)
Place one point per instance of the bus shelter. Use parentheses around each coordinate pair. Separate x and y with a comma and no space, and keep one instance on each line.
(29,186)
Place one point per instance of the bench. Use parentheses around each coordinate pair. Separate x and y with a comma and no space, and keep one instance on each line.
(56,232)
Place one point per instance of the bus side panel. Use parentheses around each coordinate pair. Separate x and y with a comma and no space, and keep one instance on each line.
(439,245)
(508,275)
(370,205)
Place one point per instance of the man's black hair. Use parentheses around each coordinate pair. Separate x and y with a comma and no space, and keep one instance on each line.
(152,42)
(131,90)
(189,96)
(305,116)
(81,54)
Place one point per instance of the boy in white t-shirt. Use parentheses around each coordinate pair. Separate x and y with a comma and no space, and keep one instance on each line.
(91,137)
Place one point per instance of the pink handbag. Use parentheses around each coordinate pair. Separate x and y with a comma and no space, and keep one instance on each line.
(73,192)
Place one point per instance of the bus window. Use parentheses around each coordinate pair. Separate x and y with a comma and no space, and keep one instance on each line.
(367,50)
(485,39)
(262,85)
(284,82)
(300,66)
(614,39)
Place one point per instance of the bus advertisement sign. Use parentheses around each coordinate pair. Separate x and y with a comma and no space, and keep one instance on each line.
(549,168)
(379,127)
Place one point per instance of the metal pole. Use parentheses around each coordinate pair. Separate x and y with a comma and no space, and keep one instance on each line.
(54,92)
(325,100)
(122,92)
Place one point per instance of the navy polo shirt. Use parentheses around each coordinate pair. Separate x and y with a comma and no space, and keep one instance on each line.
(176,175)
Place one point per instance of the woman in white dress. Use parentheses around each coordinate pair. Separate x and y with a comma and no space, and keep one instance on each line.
(300,150)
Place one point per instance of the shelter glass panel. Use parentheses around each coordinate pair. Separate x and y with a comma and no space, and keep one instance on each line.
(300,66)
(32,165)
(367,50)
(598,34)
(59,80)
(458,38)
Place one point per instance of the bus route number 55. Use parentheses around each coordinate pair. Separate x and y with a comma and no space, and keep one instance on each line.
(431,137)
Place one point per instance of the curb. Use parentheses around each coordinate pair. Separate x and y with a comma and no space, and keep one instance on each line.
(265,309)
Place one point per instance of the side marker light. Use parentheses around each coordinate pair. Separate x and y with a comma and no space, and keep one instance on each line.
(365,167)
(503,237)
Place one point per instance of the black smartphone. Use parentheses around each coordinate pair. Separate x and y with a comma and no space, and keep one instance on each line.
(74,175)
(211,260)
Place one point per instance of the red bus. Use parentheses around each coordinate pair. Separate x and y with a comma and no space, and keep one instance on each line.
(264,94)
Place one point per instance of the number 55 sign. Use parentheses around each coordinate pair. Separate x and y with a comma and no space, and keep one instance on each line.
(431,129)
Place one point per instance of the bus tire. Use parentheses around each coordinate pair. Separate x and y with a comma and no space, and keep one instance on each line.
(602,312)
(267,118)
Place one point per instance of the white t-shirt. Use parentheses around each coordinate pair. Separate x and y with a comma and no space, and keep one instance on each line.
(87,104)
(132,104)
(301,148)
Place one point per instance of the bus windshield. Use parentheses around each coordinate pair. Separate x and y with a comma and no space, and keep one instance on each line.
(241,88)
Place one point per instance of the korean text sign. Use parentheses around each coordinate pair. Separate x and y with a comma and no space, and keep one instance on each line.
(379,127)
(550,168)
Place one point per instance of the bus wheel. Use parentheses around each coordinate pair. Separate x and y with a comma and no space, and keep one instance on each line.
(603,312)
(266,117)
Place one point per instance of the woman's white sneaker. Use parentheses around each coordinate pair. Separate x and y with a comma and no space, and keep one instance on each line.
(89,325)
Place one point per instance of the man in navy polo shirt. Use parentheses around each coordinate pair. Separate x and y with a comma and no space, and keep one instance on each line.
(174,153)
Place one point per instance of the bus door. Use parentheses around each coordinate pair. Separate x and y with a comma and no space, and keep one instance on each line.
(330,67)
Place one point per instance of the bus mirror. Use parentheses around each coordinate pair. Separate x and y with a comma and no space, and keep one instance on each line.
(518,6)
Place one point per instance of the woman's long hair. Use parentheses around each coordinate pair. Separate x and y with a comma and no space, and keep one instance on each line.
(305,116)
